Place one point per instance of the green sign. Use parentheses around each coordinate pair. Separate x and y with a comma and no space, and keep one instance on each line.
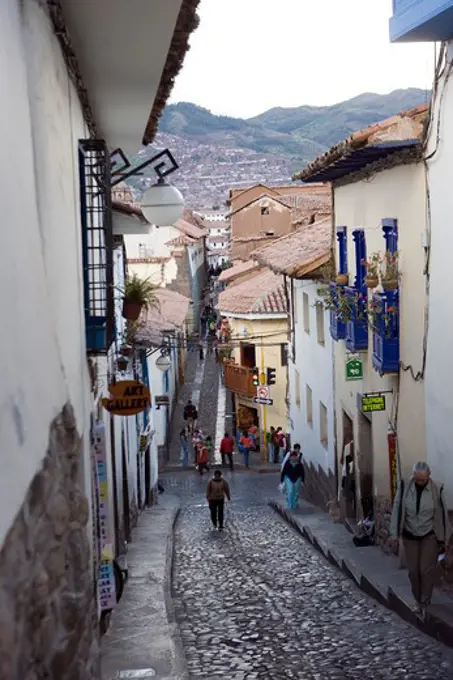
(354,369)
(375,402)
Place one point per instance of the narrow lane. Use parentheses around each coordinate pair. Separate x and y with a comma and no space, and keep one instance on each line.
(259,602)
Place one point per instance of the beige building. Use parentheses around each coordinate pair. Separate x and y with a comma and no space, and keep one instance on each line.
(380,206)
(256,310)
(261,214)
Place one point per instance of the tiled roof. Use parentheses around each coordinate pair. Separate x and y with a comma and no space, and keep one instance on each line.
(129,209)
(168,316)
(253,237)
(189,229)
(154,259)
(239,267)
(403,126)
(260,294)
(275,199)
(186,23)
(300,253)
(182,240)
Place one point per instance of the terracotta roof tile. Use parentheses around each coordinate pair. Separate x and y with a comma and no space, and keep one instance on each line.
(260,294)
(189,229)
(129,209)
(169,316)
(182,240)
(239,267)
(407,124)
(300,253)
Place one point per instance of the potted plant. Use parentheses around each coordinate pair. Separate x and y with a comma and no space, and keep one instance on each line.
(372,267)
(344,307)
(138,294)
(126,350)
(224,352)
(342,279)
(389,271)
(121,363)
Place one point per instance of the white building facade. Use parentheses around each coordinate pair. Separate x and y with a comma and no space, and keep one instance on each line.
(61,264)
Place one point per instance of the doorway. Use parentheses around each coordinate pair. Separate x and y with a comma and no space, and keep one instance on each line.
(365,460)
(348,468)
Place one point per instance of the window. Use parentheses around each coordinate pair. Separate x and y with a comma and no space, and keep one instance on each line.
(309,400)
(297,388)
(284,354)
(145,251)
(320,323)
(97,243)
(248,357)
(306,306)
(265,210)
(323,434)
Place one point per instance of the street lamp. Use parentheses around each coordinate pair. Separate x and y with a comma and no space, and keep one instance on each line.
(162,204)
(163,363)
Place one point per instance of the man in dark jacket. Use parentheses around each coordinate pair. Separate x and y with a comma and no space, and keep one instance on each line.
(190,416)
(218,489)
(292,477)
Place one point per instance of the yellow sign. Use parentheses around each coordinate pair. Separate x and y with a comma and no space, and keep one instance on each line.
(127,398)
(373,403)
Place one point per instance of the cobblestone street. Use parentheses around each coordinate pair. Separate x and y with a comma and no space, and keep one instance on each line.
(259,602)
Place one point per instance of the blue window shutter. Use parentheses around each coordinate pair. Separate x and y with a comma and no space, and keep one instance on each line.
(390,229)
(342,238)
(358,236)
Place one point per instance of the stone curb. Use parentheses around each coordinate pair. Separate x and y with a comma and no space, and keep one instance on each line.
(182,670)
(434,626)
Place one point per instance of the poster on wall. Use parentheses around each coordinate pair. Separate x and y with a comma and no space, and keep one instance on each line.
(393,464)
(106,577)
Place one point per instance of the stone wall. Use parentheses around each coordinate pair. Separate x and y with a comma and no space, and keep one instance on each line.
(48,619)
(319,487)
(382,516)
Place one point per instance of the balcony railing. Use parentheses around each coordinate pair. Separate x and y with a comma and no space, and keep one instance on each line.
(337,326)
(421,21)
(386,341)
(357,324)
(239,379)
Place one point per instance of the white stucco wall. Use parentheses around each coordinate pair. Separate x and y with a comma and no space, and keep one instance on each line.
(314,364)
(42,352)
(439,365)
(395,193)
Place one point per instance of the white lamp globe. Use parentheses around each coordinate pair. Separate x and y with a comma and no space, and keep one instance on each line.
(163,363)
(162,204)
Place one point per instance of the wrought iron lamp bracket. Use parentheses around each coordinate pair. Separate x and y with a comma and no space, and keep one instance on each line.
(121,168)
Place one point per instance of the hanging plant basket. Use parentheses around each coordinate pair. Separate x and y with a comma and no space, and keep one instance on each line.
(122,363)
(342,279)
(390,284)
(131,309)
(371,280)
(126,350)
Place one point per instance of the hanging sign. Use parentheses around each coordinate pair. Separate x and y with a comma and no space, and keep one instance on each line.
(373,402)
(127,398)
(106,575)
(354,369)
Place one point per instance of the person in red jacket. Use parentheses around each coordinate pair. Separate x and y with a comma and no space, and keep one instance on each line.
(202,457)
(226,450)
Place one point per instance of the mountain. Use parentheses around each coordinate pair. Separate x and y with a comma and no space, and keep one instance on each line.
(216,153)
(299,132)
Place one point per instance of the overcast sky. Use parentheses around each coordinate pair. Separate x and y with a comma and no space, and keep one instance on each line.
(248,56)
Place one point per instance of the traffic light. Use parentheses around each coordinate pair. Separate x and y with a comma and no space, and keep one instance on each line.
(256,376)
(271,376)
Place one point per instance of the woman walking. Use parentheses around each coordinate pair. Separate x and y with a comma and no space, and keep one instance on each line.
(420,517)
(292,476)
(247,445)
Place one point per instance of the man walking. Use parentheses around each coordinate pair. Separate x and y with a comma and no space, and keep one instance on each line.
(190,416)
(226,450)
(218,489)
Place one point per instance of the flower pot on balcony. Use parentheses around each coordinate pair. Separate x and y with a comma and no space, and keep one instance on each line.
(342,279)
(371,281)
(131,309)
(126,350)
(390,284)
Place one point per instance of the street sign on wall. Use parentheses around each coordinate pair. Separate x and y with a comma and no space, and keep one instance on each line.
(264,402)
(354,369)
(373,402)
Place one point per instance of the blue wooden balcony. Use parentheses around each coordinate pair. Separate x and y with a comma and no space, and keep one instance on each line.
(337,326)
(357,325)
(386,335)
(421,21)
